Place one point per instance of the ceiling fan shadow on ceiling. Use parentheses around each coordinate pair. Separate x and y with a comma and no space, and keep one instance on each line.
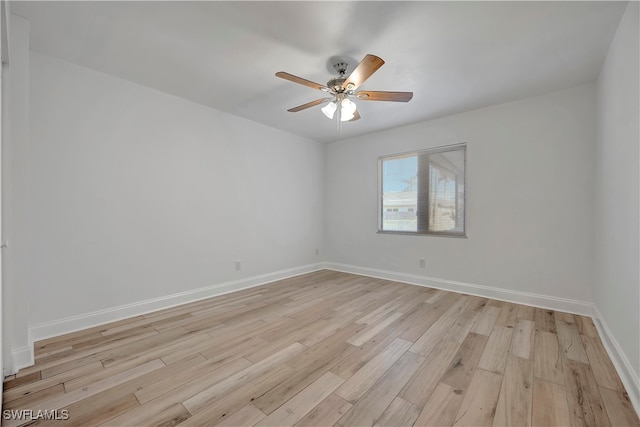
(342,89)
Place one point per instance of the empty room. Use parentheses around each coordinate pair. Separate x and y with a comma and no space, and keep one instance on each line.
(319,213)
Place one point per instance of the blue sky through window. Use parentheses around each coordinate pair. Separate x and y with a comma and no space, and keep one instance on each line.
(397,173)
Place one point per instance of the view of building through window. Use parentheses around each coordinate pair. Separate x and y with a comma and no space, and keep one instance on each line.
(424,191)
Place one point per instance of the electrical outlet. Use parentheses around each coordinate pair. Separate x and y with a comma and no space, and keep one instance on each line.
(238,265)
(422,263)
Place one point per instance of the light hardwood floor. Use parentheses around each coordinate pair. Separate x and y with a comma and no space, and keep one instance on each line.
(325,349)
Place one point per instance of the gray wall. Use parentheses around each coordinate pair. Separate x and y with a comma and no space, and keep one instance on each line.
(136,194)
(617,280)
(529,200)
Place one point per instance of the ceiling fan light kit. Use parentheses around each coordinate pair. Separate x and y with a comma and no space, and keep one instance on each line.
(343,88)
(329,109)
(346,109)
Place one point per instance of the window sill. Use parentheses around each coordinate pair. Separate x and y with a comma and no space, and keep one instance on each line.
(423,233)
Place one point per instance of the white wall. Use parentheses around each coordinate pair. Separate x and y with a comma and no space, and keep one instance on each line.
(617,280)
(529,200)
(17,347)
(135,194)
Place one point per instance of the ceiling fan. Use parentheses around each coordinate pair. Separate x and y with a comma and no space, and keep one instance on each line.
(343,88)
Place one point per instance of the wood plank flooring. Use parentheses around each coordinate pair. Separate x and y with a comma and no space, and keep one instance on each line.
(329,349)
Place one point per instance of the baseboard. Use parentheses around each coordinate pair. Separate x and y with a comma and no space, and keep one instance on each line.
(543,301)
(96,318)
(22,357)
(620,361)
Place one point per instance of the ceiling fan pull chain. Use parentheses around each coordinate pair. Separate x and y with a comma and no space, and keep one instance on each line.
(339,118)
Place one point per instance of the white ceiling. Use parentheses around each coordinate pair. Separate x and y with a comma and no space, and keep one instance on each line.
(454,56)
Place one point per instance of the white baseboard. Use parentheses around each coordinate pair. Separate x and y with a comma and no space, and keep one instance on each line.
(543,301)
(24,357)
(620,361)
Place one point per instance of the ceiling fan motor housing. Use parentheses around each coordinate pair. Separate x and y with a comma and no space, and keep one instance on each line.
(335,85)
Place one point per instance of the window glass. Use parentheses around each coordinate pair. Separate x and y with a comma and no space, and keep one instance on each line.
(424,192)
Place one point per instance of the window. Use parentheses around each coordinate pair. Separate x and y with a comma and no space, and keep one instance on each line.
(423,192)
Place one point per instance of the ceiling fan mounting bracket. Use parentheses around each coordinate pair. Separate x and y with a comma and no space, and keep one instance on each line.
(341,67)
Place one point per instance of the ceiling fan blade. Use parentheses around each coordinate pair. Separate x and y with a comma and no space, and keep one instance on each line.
(363,71)
(308,105)
(374,95)
(300,80)
(356,116)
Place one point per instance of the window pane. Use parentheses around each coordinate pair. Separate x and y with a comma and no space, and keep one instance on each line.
(399,193)
(446,191)
(424,192)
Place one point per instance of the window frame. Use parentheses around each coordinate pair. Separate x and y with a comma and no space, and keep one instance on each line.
(453,147)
